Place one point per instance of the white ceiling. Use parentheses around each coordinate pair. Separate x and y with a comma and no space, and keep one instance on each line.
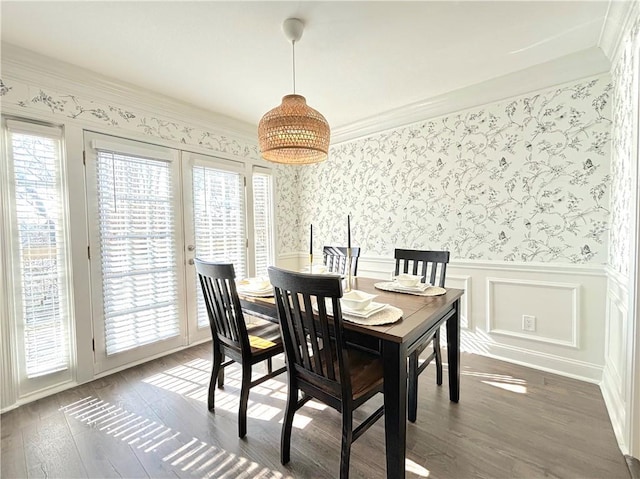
(355,59)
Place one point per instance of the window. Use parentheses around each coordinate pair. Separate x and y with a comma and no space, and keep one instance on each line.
(38,249)
(263,222)
(137,250)
(219,215)
(219,222)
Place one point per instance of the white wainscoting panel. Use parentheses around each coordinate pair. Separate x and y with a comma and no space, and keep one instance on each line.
(290,261)
(462,281)
(613,386)
(555,307)
(569,302)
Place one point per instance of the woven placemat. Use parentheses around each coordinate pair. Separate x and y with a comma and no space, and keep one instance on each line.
(430,291)
(390,314)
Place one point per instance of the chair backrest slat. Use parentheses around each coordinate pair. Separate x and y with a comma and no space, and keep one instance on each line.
(335,259)
(313,340)
(287,323)
(428,264)
(299,331)
(226,320)
(329,357)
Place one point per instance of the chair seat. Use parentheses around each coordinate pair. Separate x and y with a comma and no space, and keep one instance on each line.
(264,337)
(366,371)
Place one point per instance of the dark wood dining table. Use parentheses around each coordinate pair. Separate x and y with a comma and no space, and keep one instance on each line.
(422,315)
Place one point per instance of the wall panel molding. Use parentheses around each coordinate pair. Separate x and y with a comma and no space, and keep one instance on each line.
(463,281)
(615,405)
(574,307)
(581,356)
(615,340)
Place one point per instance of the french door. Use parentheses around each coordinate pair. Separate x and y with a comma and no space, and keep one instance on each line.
(152,211)
(135,250)
(215,203)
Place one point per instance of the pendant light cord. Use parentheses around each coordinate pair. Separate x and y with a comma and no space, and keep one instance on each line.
(293,47)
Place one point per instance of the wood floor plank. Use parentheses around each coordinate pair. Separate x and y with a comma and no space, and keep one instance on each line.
(50,450)
(12,457)
(106,457)
(152,421)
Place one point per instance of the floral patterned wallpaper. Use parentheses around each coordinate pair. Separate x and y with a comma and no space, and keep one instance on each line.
(625,107)
(43,100)
(64,105)
(526,179)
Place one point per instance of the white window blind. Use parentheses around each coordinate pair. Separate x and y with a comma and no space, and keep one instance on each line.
(262,222)
(42,305)
(219,222)
(137,250)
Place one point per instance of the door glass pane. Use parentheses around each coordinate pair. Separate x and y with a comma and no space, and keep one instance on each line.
(138,250)
(219,222)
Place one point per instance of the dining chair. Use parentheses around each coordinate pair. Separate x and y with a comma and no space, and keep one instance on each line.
(335,259)
(232,337)
(319,362)
(432,266)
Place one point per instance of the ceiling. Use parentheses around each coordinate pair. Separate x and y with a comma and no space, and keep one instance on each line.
(355,60)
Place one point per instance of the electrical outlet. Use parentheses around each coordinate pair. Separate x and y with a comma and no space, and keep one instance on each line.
(528,323)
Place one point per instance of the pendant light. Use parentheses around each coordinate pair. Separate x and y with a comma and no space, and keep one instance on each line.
(293,133)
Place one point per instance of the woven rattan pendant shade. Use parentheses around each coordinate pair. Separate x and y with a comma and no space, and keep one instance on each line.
(294,133)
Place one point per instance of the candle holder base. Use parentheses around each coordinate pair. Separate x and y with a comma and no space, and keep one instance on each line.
(348,288)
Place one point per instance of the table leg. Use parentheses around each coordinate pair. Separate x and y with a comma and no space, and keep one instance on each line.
(453,353)
(394,356)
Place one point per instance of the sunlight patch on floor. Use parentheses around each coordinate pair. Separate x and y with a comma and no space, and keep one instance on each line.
(197,457)
(415,468)
(502,381)
(476,341)
(514,388)
(191,380)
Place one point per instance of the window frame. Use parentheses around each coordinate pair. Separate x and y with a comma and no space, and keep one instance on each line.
(11,283)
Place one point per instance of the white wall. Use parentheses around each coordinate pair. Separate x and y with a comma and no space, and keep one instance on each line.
(621,378)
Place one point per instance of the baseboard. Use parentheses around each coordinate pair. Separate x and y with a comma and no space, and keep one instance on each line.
(634,466)
(615,405)
(550,363)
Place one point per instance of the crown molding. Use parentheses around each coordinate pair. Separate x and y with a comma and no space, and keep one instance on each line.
(28,66)
(565,69)
(32,67)
(618,19)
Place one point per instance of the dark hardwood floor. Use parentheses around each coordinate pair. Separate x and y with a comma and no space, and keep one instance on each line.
(152,421)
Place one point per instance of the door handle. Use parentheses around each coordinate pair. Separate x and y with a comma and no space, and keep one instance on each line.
(191,248)
(190,261)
